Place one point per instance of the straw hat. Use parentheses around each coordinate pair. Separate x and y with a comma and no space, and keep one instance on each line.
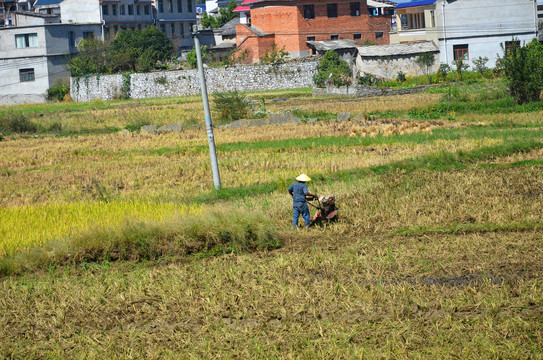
(303,178)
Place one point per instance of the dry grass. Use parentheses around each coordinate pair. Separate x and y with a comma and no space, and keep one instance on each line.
(432,263)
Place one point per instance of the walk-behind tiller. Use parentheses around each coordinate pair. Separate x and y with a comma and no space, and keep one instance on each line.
(326,209)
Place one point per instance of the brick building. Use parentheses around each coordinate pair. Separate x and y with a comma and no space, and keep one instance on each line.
(291,23)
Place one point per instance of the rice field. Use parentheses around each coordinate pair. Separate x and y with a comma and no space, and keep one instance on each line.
(436,254)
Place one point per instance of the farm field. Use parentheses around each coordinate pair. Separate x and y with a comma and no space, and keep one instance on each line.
(115,245)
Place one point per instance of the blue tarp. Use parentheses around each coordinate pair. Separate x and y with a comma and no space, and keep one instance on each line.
(415,3)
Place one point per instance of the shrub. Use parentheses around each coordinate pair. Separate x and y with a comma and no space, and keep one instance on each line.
(58,91)
(425,61)
(332,69)
(274,56)
(369,80)
(231,106)
(401,77)
(16,123)
(460,68)
(479,65)
(191,56)
(523,69)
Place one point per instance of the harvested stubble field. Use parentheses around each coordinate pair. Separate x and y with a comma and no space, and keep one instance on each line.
(111,250)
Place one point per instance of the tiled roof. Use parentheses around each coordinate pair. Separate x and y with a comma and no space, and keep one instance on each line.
(397,49)
(416,3)
(242,8)
(332,44)
(230,27)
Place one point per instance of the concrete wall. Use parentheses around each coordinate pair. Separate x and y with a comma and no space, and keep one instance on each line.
(48,59)
(484,26)
(296,74)
(388,67)
(80,12)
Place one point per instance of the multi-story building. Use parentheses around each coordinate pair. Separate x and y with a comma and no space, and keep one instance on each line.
(290,24)
(466,29)
(9,7)
(33,58)
(126,14)
(176,18)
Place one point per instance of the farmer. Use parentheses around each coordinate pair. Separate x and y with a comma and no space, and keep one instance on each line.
(299,191)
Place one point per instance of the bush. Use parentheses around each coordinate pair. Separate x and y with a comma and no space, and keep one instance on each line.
(332,69)
(274,56)
(401,77)
(16,123)
(479,65)
(523,69)
(192,59)
(230,106)
(58,91)
(425,61)
(369,80)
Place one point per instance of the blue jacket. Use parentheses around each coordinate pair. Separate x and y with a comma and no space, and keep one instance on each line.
(298,191)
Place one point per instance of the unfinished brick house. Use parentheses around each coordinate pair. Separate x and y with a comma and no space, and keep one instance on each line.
(291,23)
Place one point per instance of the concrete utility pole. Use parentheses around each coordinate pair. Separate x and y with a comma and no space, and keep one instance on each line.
(209,124)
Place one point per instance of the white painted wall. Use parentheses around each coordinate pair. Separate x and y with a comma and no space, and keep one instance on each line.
(80,12)
(484,25)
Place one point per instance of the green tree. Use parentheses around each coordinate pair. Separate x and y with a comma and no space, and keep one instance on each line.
(425,61)
(332,69)
(224,16)
(91,59)
(523,69)
(140,50)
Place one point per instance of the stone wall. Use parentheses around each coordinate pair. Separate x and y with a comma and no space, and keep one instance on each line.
(388,67)
(292,75)
(367,91)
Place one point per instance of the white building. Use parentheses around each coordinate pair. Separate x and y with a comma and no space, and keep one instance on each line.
(126,15)
(466,29)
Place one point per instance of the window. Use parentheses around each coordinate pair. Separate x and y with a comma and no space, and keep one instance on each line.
(113,9)
(26,40)
(355,9)
(163,28)
(511,44)
(357,36)
(115,28)
(309,11)
(310,38)
(331,10)
(130,9)
(189,5)
(334,37)
(122,9)
(88,35)
(179,6)
(182,29)
(378,34)
(105,9)
(26,75)
(160,6)
(461,52)
(138,10)
(172,29)
(146,9)
(71,39)
(170,6)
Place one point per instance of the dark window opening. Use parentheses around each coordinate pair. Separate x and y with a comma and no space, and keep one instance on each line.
(378,34)
(331,10)
(357,36)
(511,44)
(105,9)
(88,35)
(310,38)
(355,9)
(334,37)
(309,11)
